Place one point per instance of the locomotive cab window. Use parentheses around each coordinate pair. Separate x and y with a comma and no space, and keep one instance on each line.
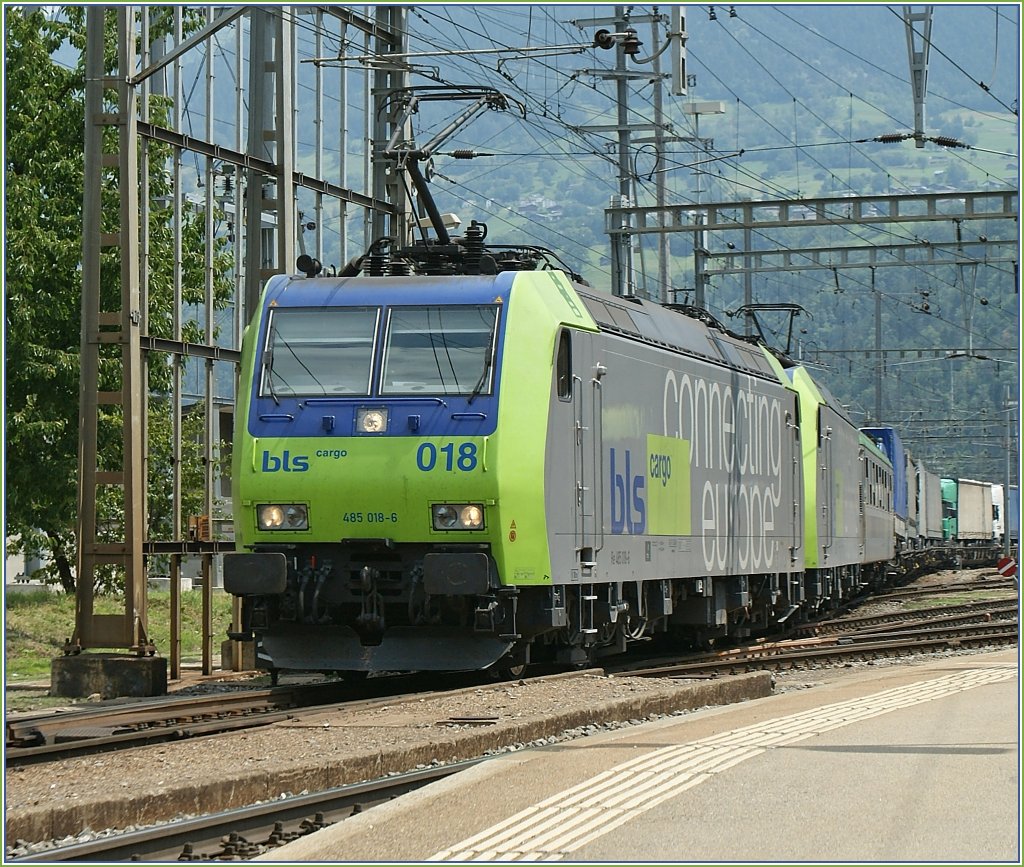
(440,350)
(563,366)
(317,352)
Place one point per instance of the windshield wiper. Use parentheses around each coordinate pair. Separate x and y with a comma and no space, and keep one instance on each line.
(488,361)
(268,362)
(303,365)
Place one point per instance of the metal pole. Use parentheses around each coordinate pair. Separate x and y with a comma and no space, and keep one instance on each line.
(699,264)
(144,252)
(209,428)
(207,618)
(238,298)
(238,294)
(624,284)
(659,146)
(1009,475)
(343,155)
(132,300)
(748,281)
(318,96)
(368,107)
(129,629)
(386,183)
(89,353)
(700,237)
(176,432)
(918,57)
(878,349)
(261,109)
(175,626)
(284,140)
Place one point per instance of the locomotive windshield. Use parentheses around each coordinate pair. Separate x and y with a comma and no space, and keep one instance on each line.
(439,350)
(327,351)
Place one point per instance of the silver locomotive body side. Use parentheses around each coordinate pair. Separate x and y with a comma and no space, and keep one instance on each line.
(675,476)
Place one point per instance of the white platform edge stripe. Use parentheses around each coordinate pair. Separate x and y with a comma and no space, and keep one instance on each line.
(595,801)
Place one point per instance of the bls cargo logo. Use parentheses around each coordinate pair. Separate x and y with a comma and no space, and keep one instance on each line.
(629,511)
(287,463)
(656,499)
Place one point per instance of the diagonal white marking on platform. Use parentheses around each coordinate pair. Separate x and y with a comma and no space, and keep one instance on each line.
(559,825)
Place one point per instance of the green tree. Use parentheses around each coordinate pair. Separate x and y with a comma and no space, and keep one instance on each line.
(42,227)
(43,168)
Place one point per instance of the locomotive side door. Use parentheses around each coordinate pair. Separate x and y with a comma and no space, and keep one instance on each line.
(586,459)
(797,554)
(826,489)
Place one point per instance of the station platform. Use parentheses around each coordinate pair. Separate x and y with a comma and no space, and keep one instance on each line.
(892,763)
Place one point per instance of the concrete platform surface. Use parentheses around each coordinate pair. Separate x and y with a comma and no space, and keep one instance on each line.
(916,763)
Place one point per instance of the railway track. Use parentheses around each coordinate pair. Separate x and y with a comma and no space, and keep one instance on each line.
(971,612)
(958,587)
(908,594)
(857,645)
(242,834)
(56,735)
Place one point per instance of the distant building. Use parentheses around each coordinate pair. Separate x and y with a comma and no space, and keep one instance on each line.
(18,572)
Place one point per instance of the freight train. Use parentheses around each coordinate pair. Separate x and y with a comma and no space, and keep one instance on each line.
(456,456)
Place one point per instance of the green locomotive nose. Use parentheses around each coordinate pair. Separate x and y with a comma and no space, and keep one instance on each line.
(394,456)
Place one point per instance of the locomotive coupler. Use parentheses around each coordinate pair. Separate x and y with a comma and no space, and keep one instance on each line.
(370,623)
(487,614)
(496,610)
(322,574)
(305,577)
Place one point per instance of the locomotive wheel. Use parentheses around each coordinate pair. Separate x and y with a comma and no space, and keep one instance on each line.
(507,668)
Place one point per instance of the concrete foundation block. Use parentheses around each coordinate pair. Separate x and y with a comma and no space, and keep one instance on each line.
(248,655)
(109,675)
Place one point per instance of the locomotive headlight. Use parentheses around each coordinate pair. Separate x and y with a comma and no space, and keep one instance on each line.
(457,516)
(371,420)
(288,516)
(471,517)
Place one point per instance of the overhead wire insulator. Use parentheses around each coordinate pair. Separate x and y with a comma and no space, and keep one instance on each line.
(948,142)
(631,44)
(892,137)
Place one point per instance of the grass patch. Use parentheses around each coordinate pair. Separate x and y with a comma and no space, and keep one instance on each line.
(39,624)
(35,700)
(942,600)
